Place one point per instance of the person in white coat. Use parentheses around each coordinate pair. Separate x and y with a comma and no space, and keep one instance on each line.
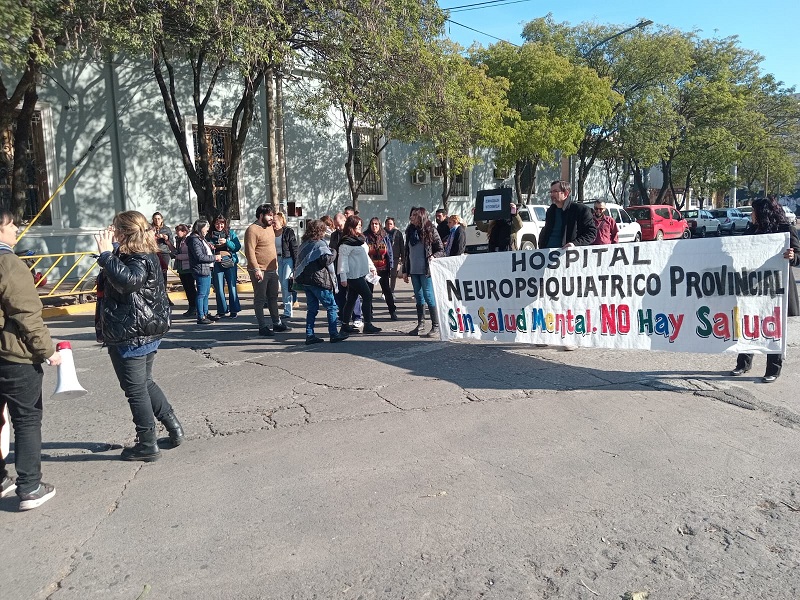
(355,267)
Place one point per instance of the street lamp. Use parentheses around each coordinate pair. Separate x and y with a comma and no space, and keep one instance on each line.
(639,25)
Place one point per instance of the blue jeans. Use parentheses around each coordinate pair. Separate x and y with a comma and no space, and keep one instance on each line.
(21,391)
(203,283)
(220,278)
(423,290)
(315,296)
(285,269)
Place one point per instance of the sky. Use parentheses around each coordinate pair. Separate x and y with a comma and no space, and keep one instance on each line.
(769,27)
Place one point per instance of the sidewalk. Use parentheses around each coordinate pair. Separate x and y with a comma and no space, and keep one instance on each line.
(395,467)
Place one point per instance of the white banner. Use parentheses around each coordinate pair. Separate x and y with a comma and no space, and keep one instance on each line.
(707,295)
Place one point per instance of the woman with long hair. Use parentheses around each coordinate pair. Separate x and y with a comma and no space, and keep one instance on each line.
(25,344)
(286,248)
(181,254)
(201,259)
(314,271)
(769,217)
(422,245)
(354,266)
(380,253)
(226,246)
(133,318)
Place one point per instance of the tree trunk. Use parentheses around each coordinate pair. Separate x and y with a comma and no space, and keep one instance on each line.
(272,152)
(242,119)
(349,124)
(447,183)
(283,187)
(533,164)
(22,136)
(638,182)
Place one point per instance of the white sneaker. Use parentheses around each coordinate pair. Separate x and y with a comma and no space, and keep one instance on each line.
(358,323)
(570,348)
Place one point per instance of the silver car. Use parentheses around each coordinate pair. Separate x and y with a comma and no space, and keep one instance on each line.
(702,223)
(732,220)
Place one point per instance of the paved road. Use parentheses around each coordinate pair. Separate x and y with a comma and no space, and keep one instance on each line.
(396,467)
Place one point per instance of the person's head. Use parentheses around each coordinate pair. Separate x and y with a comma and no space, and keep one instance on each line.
(453,221)
(280,221)
(220,223)
(411,212)
(767,215)
(375,225)
(157,220)
(389,223)
(315,230)
(132,231)
(328,221)
(599,209)
(339,220)
(352,226)
(441,215)
(349,211)
(559,190)
(264,215)
(8,229)
(181,231)
(200,227)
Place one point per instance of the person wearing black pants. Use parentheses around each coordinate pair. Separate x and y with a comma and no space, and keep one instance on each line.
(379,247)
(25,344)
(354,266)
(133,318)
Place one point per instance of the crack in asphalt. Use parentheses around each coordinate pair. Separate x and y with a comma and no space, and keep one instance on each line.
(75,560)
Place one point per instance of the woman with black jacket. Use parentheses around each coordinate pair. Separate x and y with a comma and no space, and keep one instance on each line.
(134,316)
(315,272)
(286,248)
(201,261)
(422,245)
(768,217)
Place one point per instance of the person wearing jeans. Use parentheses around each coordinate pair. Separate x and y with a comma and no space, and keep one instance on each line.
(226,245)
(423,244)
(184,269)
(202,259)
(286,249)
(25,344)
(134,316)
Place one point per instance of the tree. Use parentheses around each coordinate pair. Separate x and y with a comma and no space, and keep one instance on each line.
(555,101)
(370,72)
(37,34)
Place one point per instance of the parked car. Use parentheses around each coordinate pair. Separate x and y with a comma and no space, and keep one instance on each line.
(790,216)
(629,230)
(732,220)
(532,216)
(702,223)
(660,222)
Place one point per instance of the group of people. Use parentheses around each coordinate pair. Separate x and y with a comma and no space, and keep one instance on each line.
(336,264)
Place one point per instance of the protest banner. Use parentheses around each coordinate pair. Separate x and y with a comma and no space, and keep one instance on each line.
(708,295)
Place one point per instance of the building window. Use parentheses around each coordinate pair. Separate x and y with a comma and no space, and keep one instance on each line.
(218,140)
(37,189)
(460,184)
(366,163)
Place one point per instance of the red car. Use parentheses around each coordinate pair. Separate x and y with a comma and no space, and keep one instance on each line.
(660,222)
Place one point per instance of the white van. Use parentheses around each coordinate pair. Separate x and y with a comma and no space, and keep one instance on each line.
(629,230)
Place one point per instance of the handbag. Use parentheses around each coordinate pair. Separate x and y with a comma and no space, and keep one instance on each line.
(294,286)
(226,262)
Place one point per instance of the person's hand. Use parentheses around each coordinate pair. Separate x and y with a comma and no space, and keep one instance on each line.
(217,258)
(221,241)
(105,241)
(513,208)
(54,360)
(259,275)
(405,278)
(789,254)
(343,284)
(568,245)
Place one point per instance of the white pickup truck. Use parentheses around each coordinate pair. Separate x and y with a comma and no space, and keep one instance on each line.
(532,217)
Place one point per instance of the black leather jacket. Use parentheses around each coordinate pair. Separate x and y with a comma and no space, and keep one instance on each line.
(135,305)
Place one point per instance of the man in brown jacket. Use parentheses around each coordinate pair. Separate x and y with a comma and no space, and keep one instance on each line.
(262,265)
(25,344)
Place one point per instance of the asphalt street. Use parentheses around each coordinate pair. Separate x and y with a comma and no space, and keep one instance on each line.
(391,466)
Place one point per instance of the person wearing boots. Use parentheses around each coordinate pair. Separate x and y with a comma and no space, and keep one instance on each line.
(25,344)
(134,316)
(354,267)
(422,245)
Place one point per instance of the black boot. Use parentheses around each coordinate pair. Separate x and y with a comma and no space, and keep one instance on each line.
(434,332)
(420,321)
(145,449)
(174,429)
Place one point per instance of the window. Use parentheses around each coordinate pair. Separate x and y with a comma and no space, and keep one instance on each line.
(540,212)
(675,214)
(366,163)
(663,213)
(461,184)
(219,156)
(37,187)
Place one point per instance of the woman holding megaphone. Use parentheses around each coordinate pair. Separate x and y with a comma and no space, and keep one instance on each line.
(134,316)
(24,345)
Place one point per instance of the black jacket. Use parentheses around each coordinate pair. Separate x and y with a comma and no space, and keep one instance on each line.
(200,260)
(578,225)
(135,307)
(793,307)
(396,236)
(459,242)
(289,244)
